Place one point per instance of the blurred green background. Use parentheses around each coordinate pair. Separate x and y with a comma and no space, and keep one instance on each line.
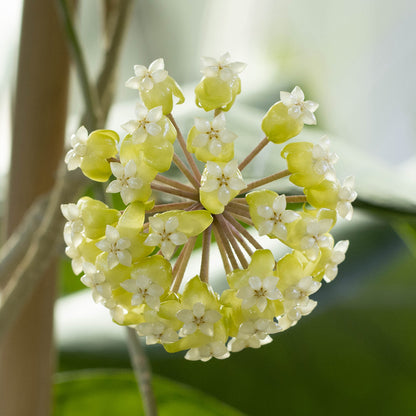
(356,353)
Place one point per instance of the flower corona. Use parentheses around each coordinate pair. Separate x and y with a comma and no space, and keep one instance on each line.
(134,260)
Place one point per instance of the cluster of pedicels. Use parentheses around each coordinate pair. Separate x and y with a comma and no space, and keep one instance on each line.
(125,256)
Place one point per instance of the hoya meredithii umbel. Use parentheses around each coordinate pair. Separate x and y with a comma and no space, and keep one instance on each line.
(135,260)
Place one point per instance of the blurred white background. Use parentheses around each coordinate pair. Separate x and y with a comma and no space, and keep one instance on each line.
(357,58)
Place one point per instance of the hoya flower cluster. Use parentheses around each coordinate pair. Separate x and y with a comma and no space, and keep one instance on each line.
(135,260)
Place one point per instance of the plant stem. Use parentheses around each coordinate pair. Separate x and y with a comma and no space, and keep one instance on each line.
(242,231)
(189,156)
(89,92)
(265,180)
(238,209)
(187,251)
(142,372)
(166,207)
(206,245)
(242,201)
(173,191)
(196,205)
(233,242)
(174,184)
(182,167)
(291,199)
(240,239)
(263,143)
(243,218)
(226,244)
(221,248)
(105,84)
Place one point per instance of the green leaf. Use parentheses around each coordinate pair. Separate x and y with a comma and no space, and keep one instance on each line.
(114,392)
(407,232)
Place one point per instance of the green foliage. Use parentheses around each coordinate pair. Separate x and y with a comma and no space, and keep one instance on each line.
(115,392)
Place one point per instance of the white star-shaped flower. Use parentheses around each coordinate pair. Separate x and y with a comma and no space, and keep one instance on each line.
(223,68)
(126,182)
(165,236)
(116,312)
(253,334)
(198,318)
(116,247)
(214,349)
(346,195)
(95,280)
(323,160)
(144,78)
(213,134)
(258,291)
(224,180)
(337,257)
(276,216)
(294,312)
(156,333)
(75,226)
(298,107)
(316,237)
(144,290)
(79,148)
(145,124)
(299,293)
(77,260)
